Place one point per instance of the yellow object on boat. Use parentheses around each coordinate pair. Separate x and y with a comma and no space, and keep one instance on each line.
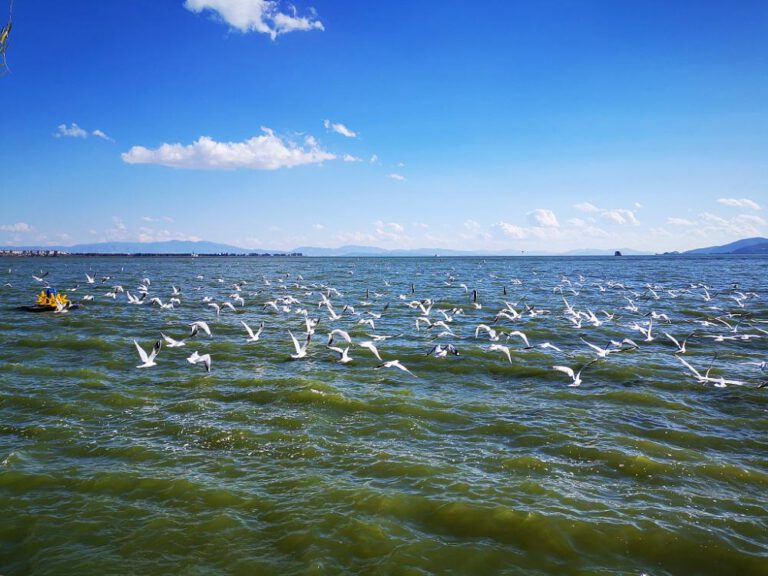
(51,299)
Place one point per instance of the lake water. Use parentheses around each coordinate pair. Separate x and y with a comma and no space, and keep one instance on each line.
(473,465)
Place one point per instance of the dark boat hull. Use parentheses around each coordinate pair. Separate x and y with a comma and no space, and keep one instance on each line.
(37,308)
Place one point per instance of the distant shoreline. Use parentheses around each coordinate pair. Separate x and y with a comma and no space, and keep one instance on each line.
(61,254)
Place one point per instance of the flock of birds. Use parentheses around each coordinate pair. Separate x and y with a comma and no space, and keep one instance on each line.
(633,316)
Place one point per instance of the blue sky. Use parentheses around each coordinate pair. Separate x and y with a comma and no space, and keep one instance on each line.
(547,125)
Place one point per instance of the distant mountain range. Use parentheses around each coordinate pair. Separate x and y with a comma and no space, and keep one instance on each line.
(168,247)
(373,251)
(203,247)
(746,246)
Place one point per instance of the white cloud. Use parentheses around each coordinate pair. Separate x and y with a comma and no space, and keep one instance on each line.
(389,233)
(397,177)
(680,221)
(374,159)
(544,218)
(21,227)
(614,215)
(739,203)
(751,219)
(588,229)
(350,158)
(318,227)
(73,131)
(739,226)
(153,235)
(713,219)
(472,225)
(339,129)
(619,216)
(257,16)
(388,230)
(164,219)
(511,230)
(266,152)
(118,231)
(586,207)
(99,134)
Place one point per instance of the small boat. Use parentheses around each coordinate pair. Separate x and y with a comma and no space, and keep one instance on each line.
(49,300)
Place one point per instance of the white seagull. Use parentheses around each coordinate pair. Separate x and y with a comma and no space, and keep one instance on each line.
(301,349)
(395,364)
(576,377)
(171,342)
(196,358)
(520,335)
(338,332)
(343,354)
(199,325)
(502,349)
(370,346)
(253,337)
(148,361)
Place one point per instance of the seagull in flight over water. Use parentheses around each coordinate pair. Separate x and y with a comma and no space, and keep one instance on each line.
(395,364)
(253,337)
(301,349)
(204,359)
(575,376)
(148,360)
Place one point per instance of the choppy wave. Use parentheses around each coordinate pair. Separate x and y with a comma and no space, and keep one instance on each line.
(473,465)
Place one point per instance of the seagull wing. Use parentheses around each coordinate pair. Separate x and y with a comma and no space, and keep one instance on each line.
(691,368)
(155,350)
(672,338)
(522,336)
(397,364)
(594,347)
(370,346)
(295,342)
(247,328)
(565,369)
(142,353)
(203,326)
(171,341)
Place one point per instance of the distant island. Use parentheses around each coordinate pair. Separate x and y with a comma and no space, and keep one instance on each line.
(746,246)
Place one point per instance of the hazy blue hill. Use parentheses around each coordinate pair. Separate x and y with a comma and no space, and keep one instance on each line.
(761,248)
(169,247)
(597,252)
(745,246)
(341,251)
(374,251)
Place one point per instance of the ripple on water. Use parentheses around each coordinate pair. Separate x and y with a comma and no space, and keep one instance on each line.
(475,465)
